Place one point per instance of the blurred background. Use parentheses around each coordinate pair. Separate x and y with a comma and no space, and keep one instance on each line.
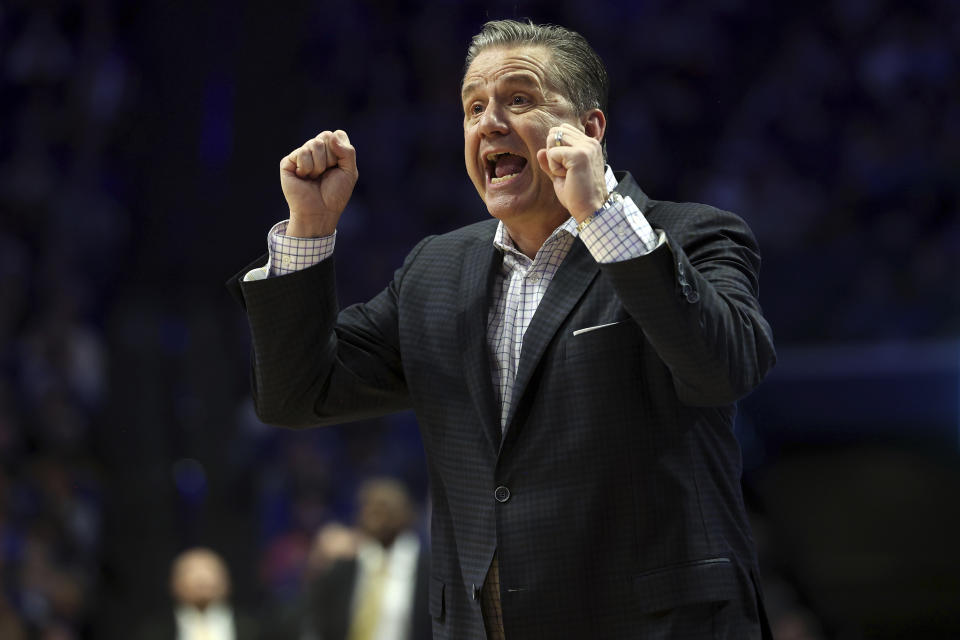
(139,145)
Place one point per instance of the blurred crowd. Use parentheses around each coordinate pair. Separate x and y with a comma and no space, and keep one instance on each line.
(61,235)
(138,151)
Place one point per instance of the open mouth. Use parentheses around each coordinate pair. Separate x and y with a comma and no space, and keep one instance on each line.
(503,167)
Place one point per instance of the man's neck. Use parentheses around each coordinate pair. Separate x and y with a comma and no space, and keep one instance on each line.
(529,235)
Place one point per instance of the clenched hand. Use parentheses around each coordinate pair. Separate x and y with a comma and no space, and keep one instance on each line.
(317,180)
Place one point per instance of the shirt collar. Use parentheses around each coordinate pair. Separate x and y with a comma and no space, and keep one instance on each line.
(214,611)
(503,241)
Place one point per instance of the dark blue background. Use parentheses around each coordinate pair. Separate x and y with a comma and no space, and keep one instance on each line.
(139,146)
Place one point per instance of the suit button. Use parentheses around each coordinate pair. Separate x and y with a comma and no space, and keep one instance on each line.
(693,296)
(476,592)
(502,494)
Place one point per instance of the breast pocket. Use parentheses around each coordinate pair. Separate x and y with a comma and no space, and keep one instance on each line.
(602,341)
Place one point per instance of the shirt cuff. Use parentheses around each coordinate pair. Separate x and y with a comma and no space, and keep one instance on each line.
(288,254)
(620,231)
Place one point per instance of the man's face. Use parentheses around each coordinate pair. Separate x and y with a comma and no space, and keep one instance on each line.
(384,512)
(199,579)
(509,106)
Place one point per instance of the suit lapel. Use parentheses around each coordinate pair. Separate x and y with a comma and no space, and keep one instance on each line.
(568,286)
(479,266)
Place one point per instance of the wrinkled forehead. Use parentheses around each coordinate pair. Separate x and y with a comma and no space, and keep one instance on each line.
(533,62)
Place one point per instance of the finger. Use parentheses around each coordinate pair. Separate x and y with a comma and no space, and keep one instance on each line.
(557,163)
(552,137)
(328,158)
(289,163)
(551,162)
(542,161)
(295,162)
(346,155)
(557,160)
(572,136)
(304,161)
(318,153)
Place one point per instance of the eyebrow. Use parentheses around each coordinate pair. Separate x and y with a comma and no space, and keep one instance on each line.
(509,78)
(469,88)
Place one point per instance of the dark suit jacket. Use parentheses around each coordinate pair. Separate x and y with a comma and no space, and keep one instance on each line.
(614,499)
(331,593)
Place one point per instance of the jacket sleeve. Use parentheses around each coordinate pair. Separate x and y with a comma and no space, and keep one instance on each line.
(696,299)
(315,365)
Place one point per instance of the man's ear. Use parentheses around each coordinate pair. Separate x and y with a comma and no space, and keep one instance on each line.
(594,123)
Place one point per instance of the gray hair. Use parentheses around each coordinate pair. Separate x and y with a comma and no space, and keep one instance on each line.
(577,70)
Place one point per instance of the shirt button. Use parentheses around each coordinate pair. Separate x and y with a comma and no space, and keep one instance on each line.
(476,592)
(285,260)
(502,494)
(534,277)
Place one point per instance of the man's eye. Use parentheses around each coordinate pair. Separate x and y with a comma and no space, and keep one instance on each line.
(519,100)
(476,109)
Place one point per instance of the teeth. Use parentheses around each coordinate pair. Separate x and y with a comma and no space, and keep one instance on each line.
(503,178)
(492,157)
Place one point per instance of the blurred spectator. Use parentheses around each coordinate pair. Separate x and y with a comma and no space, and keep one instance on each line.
(10,626)
(371,583)
(200,587)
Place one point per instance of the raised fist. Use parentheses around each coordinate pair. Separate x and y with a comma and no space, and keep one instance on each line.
(317,180)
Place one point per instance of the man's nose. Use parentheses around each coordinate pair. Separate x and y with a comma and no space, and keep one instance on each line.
(493,121)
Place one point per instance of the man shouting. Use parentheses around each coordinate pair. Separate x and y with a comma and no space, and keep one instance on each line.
(573,363)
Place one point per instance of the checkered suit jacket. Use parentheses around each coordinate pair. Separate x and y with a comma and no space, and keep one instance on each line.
(614,499)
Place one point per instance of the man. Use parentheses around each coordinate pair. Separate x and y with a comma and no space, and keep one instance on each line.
(377,589)
(573,364)
(200,586)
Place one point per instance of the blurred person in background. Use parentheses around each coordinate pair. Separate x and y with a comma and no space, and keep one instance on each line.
(11,626)
(200,588)
(370,583)
(573,364)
